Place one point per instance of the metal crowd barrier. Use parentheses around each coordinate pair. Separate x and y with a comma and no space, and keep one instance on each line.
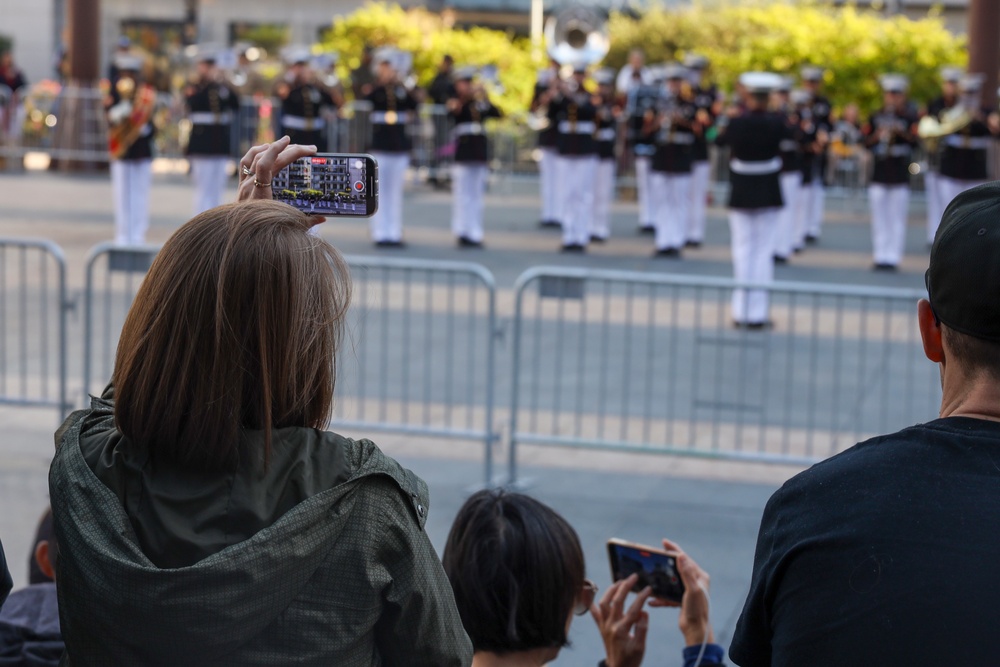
(652,363)
(33,320)
(418,357)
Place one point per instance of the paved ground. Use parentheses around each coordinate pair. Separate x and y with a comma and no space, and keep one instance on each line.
(713,508)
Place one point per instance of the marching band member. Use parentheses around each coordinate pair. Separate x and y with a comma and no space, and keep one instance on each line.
(604,183)
(546,88)
(393,107)
(890,135)
(964,159)
(212,105)
(785,238)
(705,97)
(303,102)
(469,107)
(809,155)
(675,129)
(640,107)
(576,115)
(819,112)
(950,76)
(130,106)
(754,138)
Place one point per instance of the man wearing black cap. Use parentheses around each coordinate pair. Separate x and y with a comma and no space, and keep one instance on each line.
(212,106)
(886,554)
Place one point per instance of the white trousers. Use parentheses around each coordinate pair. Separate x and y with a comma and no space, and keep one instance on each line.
(387,223)
(671,197)
(889,205)
(604,194)
(130,184)
(803,209)
(785,240)
(468,184)
(700,174)
(752,235)
(935,208)
(816,202)
(643,188)
(547,178)
(576,189)
(209,175)
(952,187)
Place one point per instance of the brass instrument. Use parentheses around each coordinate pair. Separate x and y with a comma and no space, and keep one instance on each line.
(932,129)
(577,36)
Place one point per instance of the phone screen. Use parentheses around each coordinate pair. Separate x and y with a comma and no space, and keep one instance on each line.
(656,569)
(330,184)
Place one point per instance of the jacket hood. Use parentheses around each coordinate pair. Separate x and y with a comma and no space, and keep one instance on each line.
(111,591)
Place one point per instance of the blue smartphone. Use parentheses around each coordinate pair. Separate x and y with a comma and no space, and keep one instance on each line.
(656,568)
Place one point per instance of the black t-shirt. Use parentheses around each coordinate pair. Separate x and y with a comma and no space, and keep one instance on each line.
(886,554)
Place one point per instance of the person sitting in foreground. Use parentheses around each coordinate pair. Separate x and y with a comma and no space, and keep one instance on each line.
(29,620)
(517,570)
(205,516)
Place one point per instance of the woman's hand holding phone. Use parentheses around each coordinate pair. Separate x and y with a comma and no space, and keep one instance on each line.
(258,167)
(693,621)
(623,632)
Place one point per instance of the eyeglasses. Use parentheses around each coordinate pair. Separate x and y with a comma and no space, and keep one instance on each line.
(586,599)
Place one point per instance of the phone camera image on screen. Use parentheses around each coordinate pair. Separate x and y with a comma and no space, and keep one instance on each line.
(655,569)
(325,185)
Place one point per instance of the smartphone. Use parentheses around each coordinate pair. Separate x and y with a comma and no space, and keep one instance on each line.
(330,184)
(656,568)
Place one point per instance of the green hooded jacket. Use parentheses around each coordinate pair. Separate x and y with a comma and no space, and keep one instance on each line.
(292,565)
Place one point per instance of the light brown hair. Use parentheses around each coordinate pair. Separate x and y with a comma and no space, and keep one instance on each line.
(236,327)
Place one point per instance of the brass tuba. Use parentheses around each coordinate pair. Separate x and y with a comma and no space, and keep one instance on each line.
(932,129)
(577,36)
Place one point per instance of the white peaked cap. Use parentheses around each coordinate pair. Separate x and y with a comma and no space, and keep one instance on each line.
(760,82)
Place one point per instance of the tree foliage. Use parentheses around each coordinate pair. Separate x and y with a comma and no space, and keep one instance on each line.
(854,45)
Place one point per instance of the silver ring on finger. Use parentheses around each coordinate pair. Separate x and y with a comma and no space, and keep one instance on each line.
(246,170)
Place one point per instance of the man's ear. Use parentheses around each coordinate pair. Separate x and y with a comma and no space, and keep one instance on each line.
(44,560)
(930,331)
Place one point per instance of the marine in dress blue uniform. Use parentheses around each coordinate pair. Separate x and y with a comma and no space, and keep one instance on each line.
(965,154)
(936,109)
(546,89)
(640,108)
(754,139)
(576,116)
(212,106)
(890,135)
(820,111)
(304,103)
(608,112)
(705,97)
(785,237)
(469,108)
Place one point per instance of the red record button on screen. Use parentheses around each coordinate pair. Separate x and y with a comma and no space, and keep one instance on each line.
(359,186)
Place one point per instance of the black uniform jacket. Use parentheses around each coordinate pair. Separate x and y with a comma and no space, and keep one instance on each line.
(704,99)
(605,135)
(892,156)
(575,113)
(675,139)
(470,138)
(392,108)
(547,135)
(303,107)
(754,138)
(791,145)
(964,154)
(213,107)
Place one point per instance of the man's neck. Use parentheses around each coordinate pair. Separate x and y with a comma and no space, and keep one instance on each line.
(976,397)
(534,658)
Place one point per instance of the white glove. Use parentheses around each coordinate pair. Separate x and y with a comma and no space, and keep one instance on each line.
(120,112)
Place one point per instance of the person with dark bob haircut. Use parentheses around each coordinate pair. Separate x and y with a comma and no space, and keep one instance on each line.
(518,573)
(204,514)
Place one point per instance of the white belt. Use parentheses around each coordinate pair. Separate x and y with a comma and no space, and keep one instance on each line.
(301,123)
(582,127)
(390,117)
(605,134)
(788,145)
(681,139)
(976,143)
(899,150)
(210,118)
(468,128)
(755,167)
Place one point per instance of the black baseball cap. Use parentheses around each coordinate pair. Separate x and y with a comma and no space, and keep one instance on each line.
(963,281)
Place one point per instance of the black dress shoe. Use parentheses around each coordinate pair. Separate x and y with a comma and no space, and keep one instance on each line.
(754,326)
(812,238)
(692,244)
(885,267)
(778,259)
(390,244)
(594,238)
(674,253)
(548,224)
(647,228)
(574,247)
(466,242)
